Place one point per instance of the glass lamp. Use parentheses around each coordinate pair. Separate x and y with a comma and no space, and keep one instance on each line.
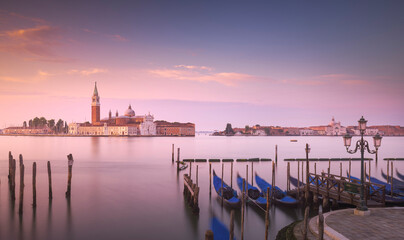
(377,140)
(347,140)
(362,124)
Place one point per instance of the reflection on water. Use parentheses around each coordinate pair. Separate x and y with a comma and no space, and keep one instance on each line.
(128,188)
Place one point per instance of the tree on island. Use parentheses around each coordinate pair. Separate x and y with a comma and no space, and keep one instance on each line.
(247,129)
(24,124)
(59,126)
(229,130)
(51,123)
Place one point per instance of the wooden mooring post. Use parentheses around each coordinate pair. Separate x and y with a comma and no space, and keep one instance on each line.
(288,177)
(298,181)
(197,175)
(306,221)
(246,178)
(276,154)
(190,169)
(20,209)
(231,237)
(231,175)
(34,185)
(320,226)
(267,215)
(369,170)
(178,159)
(208,235)
(307,173)
(349,177)
(221,189)
(191,193)
(273,181)
(391,181)
(252,173)
(172,154)
(388,168)
(210,179)
(69,177)
(243,208)
(50,180)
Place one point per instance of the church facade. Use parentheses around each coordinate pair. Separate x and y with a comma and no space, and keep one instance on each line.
(128,124)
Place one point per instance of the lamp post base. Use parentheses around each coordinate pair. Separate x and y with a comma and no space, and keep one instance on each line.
(359,212)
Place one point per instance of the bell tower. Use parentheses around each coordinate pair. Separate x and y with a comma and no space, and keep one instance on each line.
(95,106)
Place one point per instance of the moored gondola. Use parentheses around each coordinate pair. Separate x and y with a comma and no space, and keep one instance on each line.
(254,195)
(280,196)
(229,194)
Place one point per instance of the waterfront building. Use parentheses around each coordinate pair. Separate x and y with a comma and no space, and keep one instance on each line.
(128,124)
(27,130)
(175,129)
(307,132)
(335,129)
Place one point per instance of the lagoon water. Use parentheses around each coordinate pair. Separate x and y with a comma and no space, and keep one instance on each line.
(127,188)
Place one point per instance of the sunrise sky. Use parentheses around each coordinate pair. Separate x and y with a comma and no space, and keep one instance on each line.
(288,63)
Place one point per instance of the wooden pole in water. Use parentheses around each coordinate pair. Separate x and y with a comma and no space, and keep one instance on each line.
(340,169)
(210,179)
(315,168)
(302,162)
(306,221)
(10,165)
(273,181)
(298,181)
(242,209)
(349,169)
(197,175)
(178,159)
(222,184)
(391,181)
(69,177)
(267,216)
(50,180)
(172,154)
(307,172)
(190,169)
(329,166)
(288,177)
(20,209)
(369,170)
(276,154)
(34,185)
(320,226)
(208,235)
(231,225)
(252,174)
(13,170)
(231,176)
(388,167)
(246,179)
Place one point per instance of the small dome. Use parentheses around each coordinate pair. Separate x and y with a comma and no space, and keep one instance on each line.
(129,112)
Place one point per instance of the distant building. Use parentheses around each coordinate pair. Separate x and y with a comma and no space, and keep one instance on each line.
(307,132)
(27,131)
(175,129)
(128,124)
(335,129)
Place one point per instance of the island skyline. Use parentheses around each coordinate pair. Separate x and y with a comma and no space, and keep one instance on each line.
(269,63)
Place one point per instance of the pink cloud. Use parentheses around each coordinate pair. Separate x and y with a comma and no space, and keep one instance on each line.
(115,37)
(87,72)
(202,74)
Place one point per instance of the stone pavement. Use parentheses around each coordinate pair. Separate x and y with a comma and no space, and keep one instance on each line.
(382,223)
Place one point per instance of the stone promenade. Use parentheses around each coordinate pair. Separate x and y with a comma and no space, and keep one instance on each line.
(382,223)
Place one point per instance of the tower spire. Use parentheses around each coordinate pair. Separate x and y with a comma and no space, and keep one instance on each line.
(95,90)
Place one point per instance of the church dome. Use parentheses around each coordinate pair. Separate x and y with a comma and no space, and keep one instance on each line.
(129,112)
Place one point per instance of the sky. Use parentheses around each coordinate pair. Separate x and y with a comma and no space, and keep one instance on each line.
(273,63)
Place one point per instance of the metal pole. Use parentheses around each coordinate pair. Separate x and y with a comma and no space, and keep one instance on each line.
(362,205)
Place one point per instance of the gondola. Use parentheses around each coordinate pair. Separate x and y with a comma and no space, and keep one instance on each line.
(399,175)
(387,185)
(253,193)
(280,196)
(230,195)
(397,183)
(219,229)
(388,198)
(295,182)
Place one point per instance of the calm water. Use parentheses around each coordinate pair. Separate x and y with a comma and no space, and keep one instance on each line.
(127,188)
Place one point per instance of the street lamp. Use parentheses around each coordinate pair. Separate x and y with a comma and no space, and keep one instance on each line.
(362,145)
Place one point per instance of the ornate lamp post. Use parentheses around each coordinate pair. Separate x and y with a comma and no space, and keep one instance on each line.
(362,145)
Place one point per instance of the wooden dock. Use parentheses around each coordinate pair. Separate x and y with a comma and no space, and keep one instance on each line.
(342,189)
